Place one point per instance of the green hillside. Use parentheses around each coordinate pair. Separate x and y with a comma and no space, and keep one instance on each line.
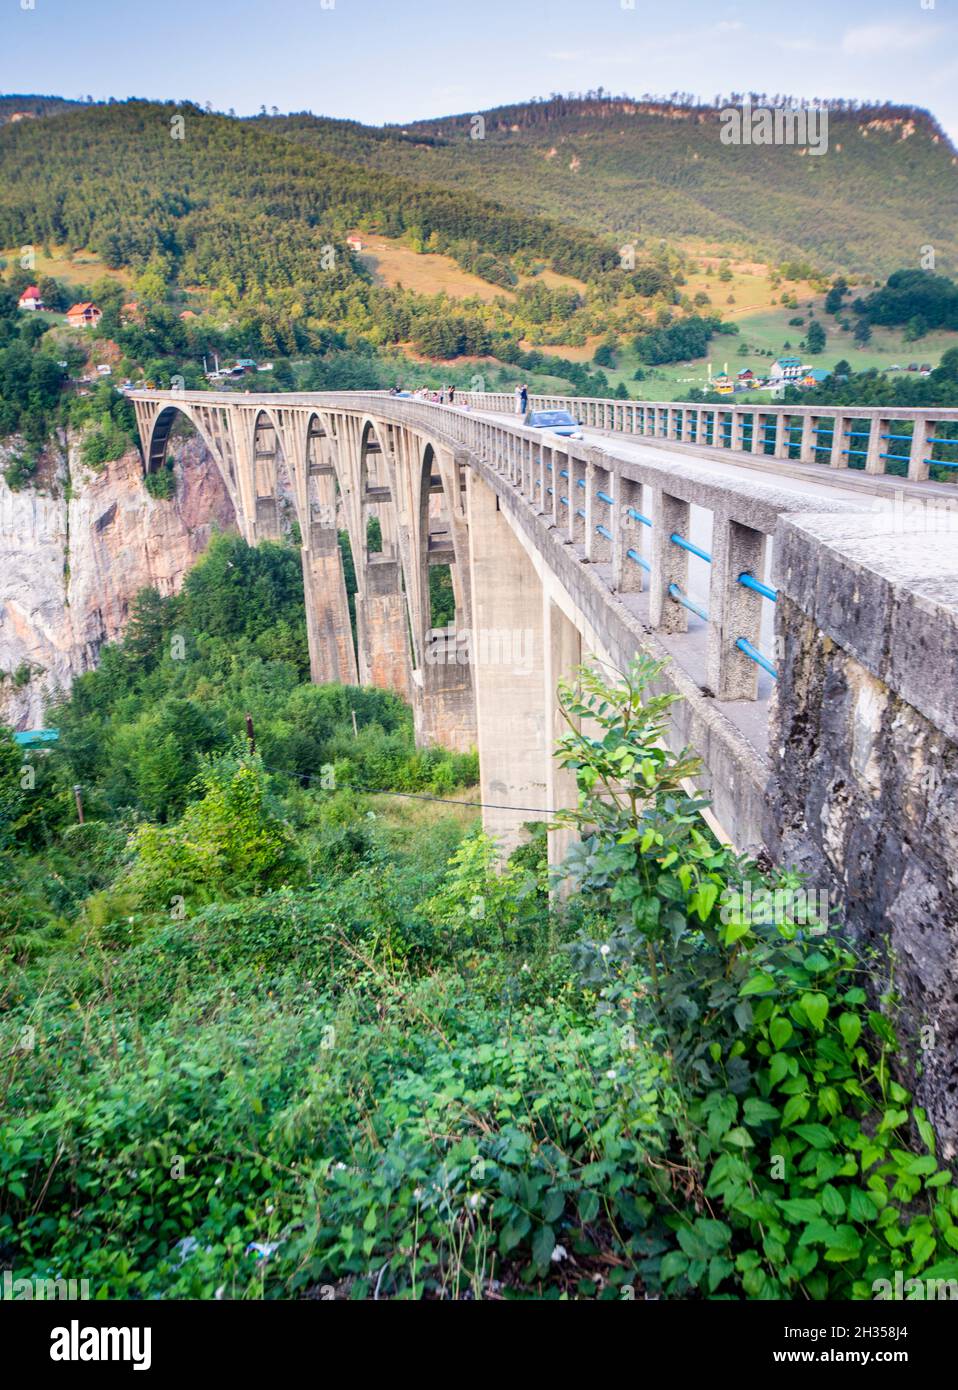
(638,170)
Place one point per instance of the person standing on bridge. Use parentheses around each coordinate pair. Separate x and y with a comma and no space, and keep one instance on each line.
(452,392)
(519,410)
(523,399)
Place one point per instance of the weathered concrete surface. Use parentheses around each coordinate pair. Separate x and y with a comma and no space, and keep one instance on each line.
(72,559)
(382,629)
(332,656)
(513,750)
(864,747)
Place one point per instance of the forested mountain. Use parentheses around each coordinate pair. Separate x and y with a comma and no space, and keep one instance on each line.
(185,198)
(153,176)
(636,169)
(13,108)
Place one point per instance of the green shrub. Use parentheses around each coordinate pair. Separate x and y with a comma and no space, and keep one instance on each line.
(790,1132)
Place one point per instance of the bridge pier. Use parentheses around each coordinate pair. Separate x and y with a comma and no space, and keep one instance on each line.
(508,671)
(563,653)
(444,704)
(382,628)
(332,657)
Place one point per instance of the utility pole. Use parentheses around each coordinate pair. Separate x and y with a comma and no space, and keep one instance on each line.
(250,734)
(355,730)
(78,797)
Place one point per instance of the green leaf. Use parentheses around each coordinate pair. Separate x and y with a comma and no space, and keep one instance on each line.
(883,1028)
(800,1208)
(756,1110)
(735,930)
(758,984)
(861,1208)
(832,1201)
(588,1207)
(777,1068)
(780,1030)
(851,1027)
(673,1264)
(818,1136)
(815,1008)
(543,1244)
(818,1232)
(719,1269)
(844,1244)
(553,1204)
(795,1109)
(704,899)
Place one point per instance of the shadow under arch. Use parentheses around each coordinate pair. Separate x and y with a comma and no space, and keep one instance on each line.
(154,449)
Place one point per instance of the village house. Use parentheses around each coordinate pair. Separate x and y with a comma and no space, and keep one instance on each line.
(354,243)
(785,369)
(84,315)
(30,299)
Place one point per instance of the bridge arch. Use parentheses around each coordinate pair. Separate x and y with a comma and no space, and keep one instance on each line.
(164,421)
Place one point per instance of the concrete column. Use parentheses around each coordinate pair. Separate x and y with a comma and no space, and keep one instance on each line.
(874,463)
(510,704)
(920,447)
(734,610)
(332,657)
(670,563)
(444,705)
(563,653)
(382,628)
(245,479)
(626,535)
(806,453)
(836,457)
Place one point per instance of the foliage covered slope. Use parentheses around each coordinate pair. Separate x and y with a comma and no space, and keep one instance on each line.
(638,169)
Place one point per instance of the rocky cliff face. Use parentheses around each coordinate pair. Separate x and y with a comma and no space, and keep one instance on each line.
(74,552)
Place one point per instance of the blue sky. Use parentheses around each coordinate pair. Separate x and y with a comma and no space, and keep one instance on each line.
(397,60)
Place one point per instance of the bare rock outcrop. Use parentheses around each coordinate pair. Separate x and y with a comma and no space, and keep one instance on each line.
(76,550)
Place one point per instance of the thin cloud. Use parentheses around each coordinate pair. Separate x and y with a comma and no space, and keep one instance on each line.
(875,40)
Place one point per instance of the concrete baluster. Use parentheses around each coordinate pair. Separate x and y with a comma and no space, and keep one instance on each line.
(874,463)
(670,563)
(921,441)
(836,457)
(734,610)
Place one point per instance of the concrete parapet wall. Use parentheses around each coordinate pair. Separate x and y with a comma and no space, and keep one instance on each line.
(864,749)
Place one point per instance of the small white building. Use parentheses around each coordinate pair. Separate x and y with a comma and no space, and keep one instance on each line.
(30,299)
(785,369)
(354,243)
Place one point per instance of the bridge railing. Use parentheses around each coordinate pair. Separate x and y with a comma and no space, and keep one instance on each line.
(916,444)
(632,521)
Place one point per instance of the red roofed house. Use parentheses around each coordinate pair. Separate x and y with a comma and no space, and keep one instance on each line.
(84,315)
(30,299)
(355,243)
